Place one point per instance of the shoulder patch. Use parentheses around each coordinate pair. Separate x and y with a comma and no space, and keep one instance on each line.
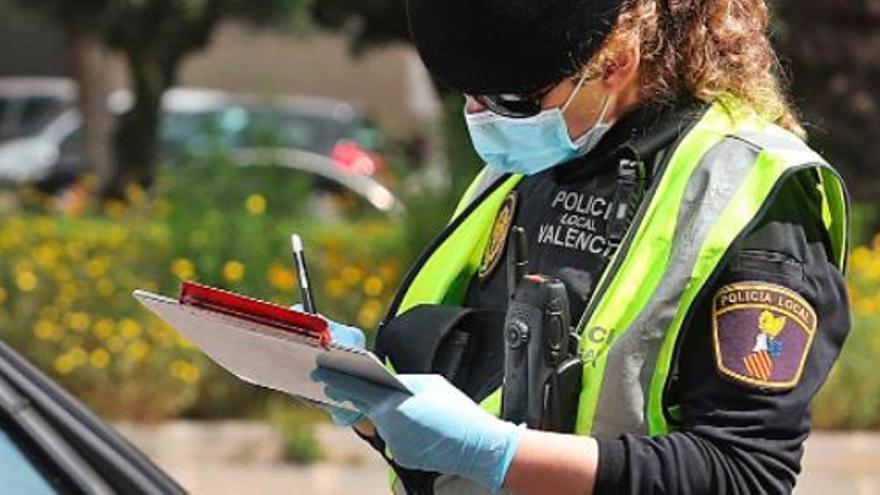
(500,228)
(762,333)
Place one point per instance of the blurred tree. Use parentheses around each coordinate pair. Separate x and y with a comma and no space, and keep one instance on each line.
(368,22)
(371,23)
(153,36)
(88,60)
(834,52)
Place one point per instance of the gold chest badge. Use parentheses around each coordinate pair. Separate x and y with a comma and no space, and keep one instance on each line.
(500,229)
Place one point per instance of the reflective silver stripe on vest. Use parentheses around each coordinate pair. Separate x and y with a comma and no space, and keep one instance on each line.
(783,142)
(633,356)
(621,407)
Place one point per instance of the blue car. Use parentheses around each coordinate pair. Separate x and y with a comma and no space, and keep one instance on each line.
(50,443)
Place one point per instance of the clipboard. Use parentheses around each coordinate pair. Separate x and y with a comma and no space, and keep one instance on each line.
(263,343)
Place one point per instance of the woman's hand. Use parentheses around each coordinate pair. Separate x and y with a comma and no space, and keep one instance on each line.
(347,336)
(435,428)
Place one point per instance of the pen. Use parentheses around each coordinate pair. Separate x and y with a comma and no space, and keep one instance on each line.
(302,275)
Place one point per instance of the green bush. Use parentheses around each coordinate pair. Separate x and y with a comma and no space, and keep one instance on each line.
(66,281)
(65,303)
(851,398)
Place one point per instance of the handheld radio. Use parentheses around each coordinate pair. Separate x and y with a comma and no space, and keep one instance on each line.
(542,371)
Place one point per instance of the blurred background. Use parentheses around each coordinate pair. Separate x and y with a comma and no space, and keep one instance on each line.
(147,142)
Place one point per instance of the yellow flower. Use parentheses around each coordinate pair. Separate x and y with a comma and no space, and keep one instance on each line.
(255,204)
(46,256)
(335,288)
(129,328)
(46,330)
(373,305)
(135,193)
(388,270)
(104,328)
(97,266)
(185,371)
(99,358)
(176,366)
(233,270)
(190,374)
(26,281)
(137,350)
(282,278)
(352,274)
(78,321)
(78,356)
(373,286)
(63,364)
(183,268)
(367,317)
(369,314)
(860,257)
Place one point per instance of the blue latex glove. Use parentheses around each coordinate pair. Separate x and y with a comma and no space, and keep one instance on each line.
(348,337)
(437,428)
(342,334)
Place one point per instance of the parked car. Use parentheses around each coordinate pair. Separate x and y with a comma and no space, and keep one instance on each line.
(49,158)
(27,104)
(197,121)
(51,443)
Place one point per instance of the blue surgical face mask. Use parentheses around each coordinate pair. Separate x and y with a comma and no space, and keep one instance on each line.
(531,145)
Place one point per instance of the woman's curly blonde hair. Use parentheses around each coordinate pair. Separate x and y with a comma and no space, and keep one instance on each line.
(706,48)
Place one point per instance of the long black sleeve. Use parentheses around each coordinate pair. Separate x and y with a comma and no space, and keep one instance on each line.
(733,436)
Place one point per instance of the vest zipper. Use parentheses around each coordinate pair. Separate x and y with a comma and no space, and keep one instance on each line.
(435,244)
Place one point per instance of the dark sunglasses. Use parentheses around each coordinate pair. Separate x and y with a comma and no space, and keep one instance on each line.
(525,105)
(513,105)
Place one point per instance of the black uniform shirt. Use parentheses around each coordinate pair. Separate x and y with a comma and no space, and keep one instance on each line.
(564,212)
(733,434)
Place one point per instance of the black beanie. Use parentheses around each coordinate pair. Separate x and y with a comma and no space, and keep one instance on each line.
(508,46)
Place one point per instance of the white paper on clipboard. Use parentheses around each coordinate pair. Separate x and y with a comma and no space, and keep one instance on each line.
(264,355)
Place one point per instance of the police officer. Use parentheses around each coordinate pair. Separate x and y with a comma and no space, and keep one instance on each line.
(649,154)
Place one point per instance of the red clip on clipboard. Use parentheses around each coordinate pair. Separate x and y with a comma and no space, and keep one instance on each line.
(266,313)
